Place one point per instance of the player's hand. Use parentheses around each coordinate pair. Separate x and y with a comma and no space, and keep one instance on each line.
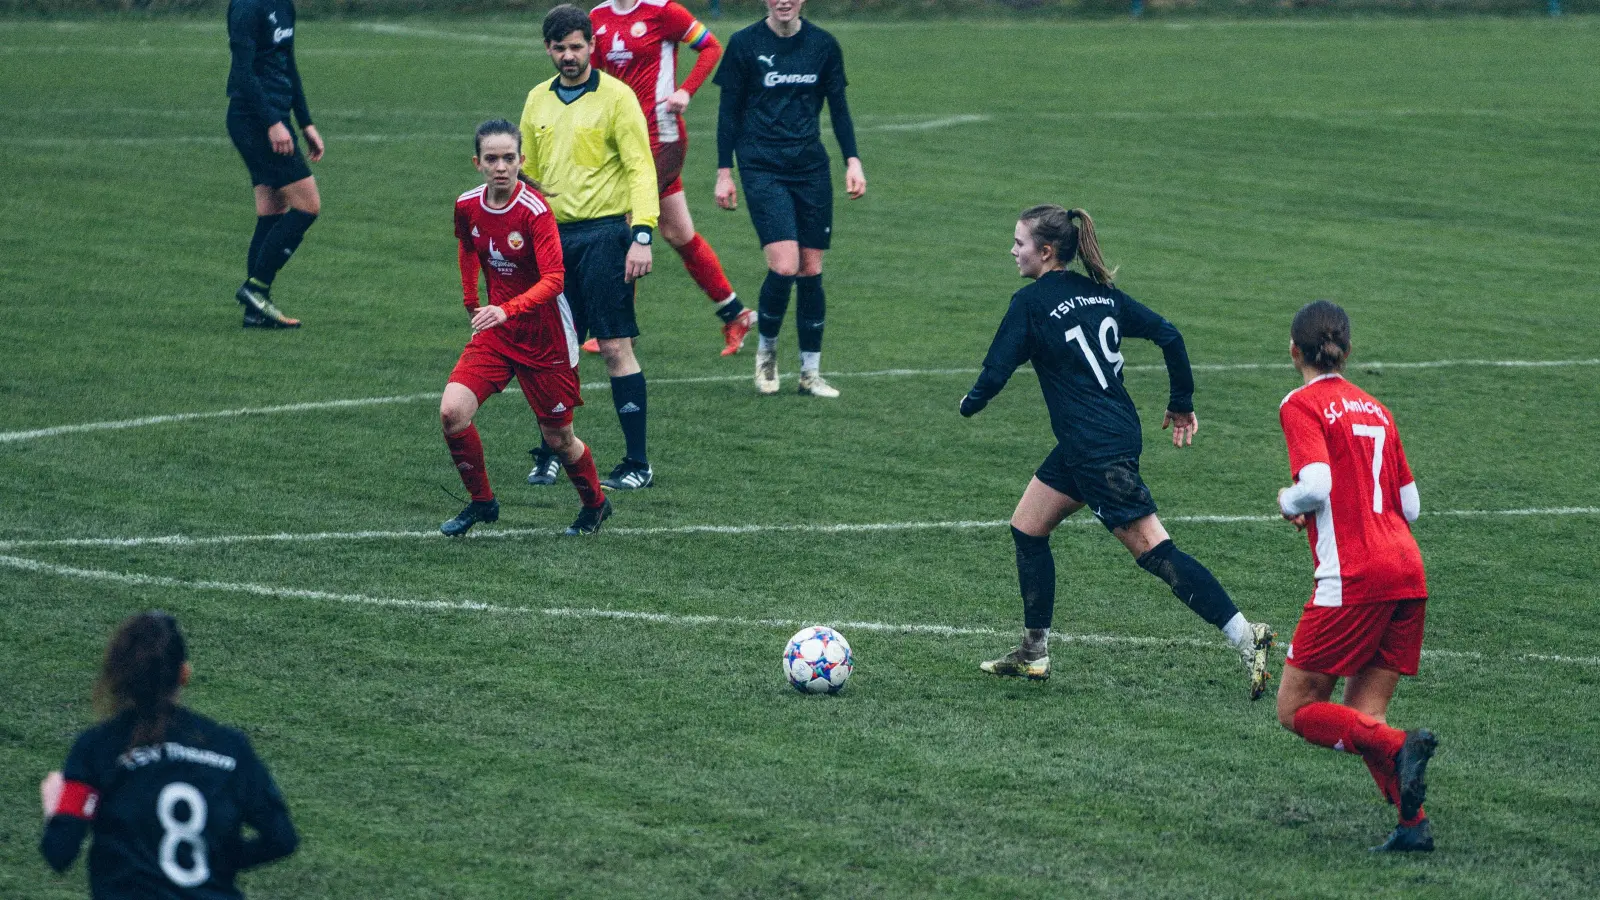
(313,143)
(1184,425)
(855,180)
(727,195)
(1298,520)
(50,792)
(280,138)
(638,264)
(487,317)
(679,101)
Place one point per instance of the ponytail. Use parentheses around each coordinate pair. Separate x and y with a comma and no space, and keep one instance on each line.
(141,673)
(1071,233)
(1321,329)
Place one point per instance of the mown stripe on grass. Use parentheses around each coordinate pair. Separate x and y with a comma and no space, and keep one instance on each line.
(137,579)
(170,418)
(486,533)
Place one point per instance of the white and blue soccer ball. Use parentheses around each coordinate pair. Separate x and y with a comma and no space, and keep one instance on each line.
(817,660)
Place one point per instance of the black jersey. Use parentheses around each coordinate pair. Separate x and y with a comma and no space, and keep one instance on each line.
(1071,328)
(772,93)
(166,817)
(263,80)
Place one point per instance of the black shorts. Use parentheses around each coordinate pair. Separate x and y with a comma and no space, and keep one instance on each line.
(1112,490)
(790,207)
(271,169)
(595,254)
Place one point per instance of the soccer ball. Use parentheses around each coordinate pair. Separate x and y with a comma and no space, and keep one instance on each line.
(817,660)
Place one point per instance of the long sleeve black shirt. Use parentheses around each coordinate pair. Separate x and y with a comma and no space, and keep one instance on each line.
(263,79)
(772,94)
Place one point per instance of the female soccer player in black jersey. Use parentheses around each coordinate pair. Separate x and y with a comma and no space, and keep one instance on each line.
(165,790)
(1071,326)
(774,78)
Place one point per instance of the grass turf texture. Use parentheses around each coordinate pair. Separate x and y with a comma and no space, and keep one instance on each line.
(1436,177)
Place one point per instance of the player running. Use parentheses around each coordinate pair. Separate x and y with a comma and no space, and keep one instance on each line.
(774,79)
(263,88)
(637,41)
(166,791)
(1356,499)
(505,228)
(1070,327)
(586,140)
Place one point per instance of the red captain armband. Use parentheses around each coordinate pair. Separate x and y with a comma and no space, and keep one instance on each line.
(78,800)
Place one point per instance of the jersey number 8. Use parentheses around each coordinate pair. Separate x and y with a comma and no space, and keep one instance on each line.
(1113,358)
(176,832)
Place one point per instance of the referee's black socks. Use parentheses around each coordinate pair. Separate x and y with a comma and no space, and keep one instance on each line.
(1191,582)
(279,244)
(774,303)
(628,396)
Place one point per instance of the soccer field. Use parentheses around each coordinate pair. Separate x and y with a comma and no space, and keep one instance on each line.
(517,714)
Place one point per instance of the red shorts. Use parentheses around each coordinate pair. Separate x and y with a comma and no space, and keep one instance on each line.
(1343,640)
(669,166)
(552,393)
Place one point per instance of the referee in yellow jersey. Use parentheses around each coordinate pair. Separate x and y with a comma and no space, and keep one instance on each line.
(587,143)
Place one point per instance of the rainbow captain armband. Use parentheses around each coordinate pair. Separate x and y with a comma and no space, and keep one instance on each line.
(696,35)
(77,800)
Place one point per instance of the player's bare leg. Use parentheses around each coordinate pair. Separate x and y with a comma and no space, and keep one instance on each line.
(628,396)
(1152,547)
(282,217)
(456,408)
(1038,513)
(677,229)
(579,464)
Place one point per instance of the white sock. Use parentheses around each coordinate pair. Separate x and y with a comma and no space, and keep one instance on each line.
(769,344)
(731,298)
(810,362)
(1239,632)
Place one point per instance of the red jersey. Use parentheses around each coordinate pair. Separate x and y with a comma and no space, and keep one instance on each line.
(641,48)
(519,249)
(1361,542)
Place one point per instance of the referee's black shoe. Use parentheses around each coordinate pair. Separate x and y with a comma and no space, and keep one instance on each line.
(476,511)
(255,298)
(590,518)
(629,475)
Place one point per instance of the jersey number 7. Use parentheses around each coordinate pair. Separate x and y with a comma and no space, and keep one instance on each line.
(1113,358)
(1378,435)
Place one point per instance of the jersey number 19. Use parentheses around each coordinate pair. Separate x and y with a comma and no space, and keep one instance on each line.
(1113,358)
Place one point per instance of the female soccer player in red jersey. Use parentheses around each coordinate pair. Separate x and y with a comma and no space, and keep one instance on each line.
(637,41)
(505,227)
(165,791)
(1355,496)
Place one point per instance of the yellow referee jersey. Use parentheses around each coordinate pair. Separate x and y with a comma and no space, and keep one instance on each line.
(592,155)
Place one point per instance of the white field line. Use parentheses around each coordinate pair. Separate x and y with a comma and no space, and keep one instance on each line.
(56,430)
(485,533)
(672,620)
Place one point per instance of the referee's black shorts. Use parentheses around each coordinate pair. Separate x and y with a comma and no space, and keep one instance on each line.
(1112,489)
(595,254)
(790,206)
(274,170)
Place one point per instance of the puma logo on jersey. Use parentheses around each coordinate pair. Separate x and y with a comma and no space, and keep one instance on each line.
(767,60)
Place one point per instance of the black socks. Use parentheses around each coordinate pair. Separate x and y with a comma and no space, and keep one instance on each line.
(264,226)
(628,396)
(1191,582)
(1036,575)
(729,311)
(774,302)
(810,311)
(279,244)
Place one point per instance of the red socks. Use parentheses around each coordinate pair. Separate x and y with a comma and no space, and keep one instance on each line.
(1342,728)
(705,269)
(467,453)
(586,479)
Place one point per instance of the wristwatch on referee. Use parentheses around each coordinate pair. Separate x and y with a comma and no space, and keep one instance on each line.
(641,235)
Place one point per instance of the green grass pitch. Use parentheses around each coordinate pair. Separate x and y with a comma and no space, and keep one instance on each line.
(1437,177)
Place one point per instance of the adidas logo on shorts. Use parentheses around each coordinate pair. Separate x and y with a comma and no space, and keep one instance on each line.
(559,408)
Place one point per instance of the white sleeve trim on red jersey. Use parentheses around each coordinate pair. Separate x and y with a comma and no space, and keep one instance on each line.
(1410,503)
(1310,492)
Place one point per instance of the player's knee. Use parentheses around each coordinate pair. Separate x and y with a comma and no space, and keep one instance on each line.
(454,418)
(1287,707)
(618,354)
(676,234)
(559,438)
(786,268)
(809,268)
